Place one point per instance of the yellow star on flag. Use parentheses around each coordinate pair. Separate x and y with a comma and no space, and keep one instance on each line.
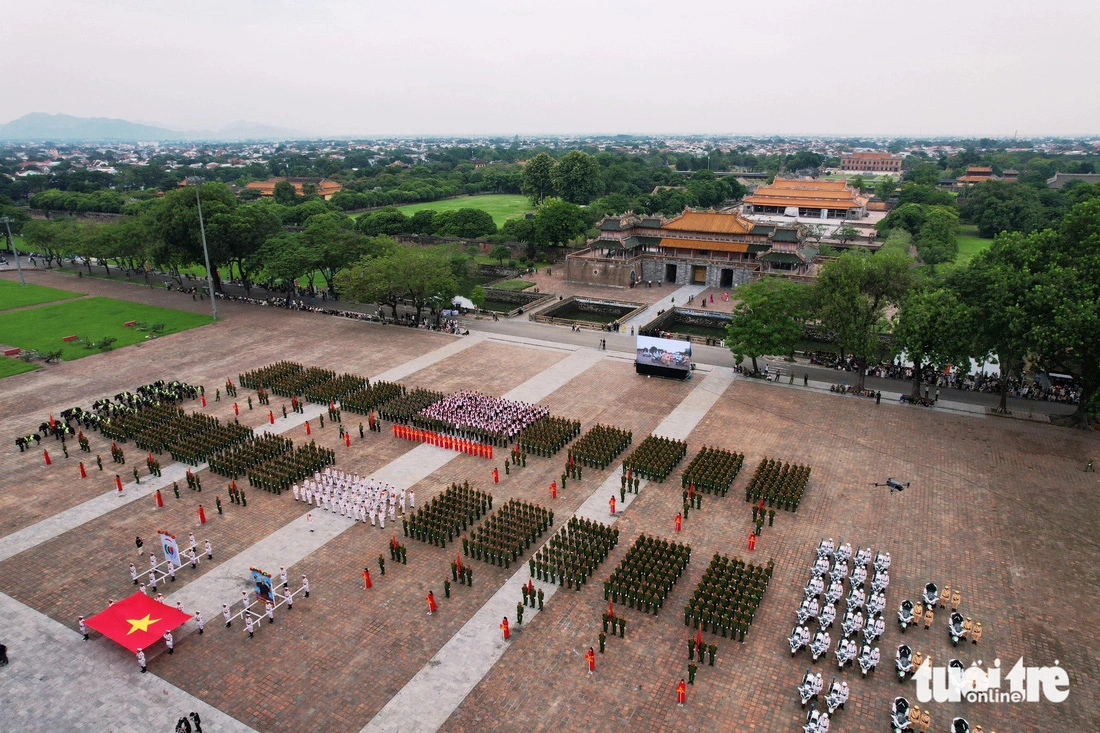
(140,624)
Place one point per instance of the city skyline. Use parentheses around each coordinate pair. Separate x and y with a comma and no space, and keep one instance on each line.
(335,69)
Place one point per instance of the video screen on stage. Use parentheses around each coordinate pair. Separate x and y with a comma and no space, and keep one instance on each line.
(664,353)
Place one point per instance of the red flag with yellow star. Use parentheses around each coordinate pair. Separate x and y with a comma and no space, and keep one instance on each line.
(137,622)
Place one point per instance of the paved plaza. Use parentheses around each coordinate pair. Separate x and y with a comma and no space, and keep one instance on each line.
(997,508)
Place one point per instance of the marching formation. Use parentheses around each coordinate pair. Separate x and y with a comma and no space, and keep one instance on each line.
(447,515)
(508,531)
(726,599)
(352,496)
(574,552)
(476,416)
(599,446)
(403,409)
(779,484)
(655,457)
(647,573)
(548,435)
(369,397)
(712,471)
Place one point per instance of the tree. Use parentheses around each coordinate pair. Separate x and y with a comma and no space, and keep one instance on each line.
(465,223)
(175,225)
(285,258)
(857,183)
(238,235)
(333,245)
(538,178)
(500,253)
(853,292)
(577,178)
(477,296)
(557,221)
(768,319)
(933,327)
(51,239)
(845,233)
(424,276)
(421,222)
(388,221)
(937,241)
(285,193)
(909,217)
(886,188)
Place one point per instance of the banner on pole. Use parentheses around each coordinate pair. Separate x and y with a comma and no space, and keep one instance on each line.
(170,548)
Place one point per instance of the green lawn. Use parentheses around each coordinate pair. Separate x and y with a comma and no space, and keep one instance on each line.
(970,243)
(43,328)
(502,206)
(514,285)
(9,366)
(14,295)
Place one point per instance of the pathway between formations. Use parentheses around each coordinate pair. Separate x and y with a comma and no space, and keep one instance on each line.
(436,691)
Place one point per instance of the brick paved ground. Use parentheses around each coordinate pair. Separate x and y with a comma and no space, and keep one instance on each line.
(995,504)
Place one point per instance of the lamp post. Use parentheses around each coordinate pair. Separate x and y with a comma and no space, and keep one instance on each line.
(206,255)
(11,242)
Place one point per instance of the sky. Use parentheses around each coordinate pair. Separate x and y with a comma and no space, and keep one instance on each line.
(520,67)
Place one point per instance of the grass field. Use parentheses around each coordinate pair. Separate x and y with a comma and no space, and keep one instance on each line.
(10,366)
(501,206)
(970,243)
(14,295)
(514,285)
(43,328)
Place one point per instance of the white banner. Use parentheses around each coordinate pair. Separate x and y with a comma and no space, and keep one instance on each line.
(171,550)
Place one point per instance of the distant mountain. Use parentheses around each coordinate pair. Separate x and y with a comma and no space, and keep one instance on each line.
(39,126)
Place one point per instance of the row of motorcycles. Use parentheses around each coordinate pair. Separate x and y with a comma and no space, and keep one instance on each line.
(900,721)
(864,604)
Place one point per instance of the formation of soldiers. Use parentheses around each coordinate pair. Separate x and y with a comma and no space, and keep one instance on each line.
(403,409)
(448,515)
(599,446)
(370,396)
(573,553)
(299,382)
(268,374)
(475,416)
(278,473)
(500,539)
(712,471)
(779,484)
(548,435)
(655,457)
(235,461)
(647,573)
(334,388)
(196,447)
(354,496)
(117,456)
(726,599)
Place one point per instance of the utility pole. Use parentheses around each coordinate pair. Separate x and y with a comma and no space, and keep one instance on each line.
(11,243)
(206,254)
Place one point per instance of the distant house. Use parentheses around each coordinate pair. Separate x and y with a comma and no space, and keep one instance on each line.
(324,188)
(976,174)
(871,163)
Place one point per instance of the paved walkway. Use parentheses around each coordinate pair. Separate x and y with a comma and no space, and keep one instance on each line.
(430,697)
(52,668)
(677,296)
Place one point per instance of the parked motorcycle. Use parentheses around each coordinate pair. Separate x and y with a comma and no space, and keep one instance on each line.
(905,615)
(799,638)
(899,715)
(955,628)
(903,662)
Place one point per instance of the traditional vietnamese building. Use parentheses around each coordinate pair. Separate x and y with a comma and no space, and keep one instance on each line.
(719,250)
(323,187)
(807,199)
(976,174)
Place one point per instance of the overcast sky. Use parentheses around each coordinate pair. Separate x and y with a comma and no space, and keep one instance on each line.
(877,67)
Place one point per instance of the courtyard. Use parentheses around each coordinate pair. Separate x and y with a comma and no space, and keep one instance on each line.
(999,509)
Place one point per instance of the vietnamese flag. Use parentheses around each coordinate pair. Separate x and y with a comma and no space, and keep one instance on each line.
(137,622)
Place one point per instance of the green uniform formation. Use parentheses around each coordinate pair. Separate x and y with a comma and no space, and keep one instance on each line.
(713,470)
(502,538)
(647,573)
(268,374)
(599,446)
(278,473)
(188,437)
(196,447)
(237,460)
(573,553)
(655,457)
(370,397)
(447,515)
(402,409)
(779,484)
(726,599)
(300,382)
(334,388)
(548,435)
